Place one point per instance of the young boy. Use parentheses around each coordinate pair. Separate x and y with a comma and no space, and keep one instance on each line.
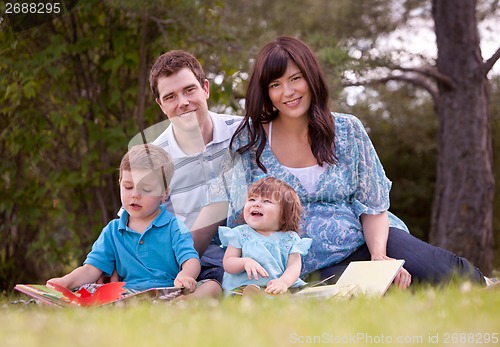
(148,246)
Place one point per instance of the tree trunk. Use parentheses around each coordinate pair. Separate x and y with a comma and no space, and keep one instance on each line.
(143,71)
(463,201)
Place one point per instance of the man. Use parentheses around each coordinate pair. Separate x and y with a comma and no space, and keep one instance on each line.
(197,139)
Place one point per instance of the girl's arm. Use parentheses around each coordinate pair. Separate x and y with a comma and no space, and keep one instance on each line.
(233,263)
(290,275)
(376,231)
(81,275)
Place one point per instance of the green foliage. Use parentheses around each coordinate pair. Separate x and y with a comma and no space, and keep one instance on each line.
(53,119)
(71,100)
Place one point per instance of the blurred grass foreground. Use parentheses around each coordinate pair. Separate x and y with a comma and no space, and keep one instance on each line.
(458,315)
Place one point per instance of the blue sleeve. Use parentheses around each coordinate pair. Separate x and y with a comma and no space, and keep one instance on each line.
(103,255)
(372,193)
(218,186)
(229,236)
(182,243)
(300,245)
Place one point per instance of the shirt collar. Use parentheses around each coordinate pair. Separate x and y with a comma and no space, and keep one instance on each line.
(220,132)
(163,218)
(174,149)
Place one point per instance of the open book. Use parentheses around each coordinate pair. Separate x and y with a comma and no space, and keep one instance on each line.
(316,291)
(327,291)
(94,295)
(371,278)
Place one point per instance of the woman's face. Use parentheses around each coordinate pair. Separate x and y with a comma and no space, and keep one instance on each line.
(290,93)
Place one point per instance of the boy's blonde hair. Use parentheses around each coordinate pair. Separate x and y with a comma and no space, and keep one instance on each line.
(291,208)
(149,157)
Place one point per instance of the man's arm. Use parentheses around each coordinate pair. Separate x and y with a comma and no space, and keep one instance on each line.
(207,223)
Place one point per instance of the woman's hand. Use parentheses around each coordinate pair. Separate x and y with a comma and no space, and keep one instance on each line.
(376,232)
(403,278)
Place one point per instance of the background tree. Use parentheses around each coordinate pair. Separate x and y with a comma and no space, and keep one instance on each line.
(73,92)
(458,84)
(463,203)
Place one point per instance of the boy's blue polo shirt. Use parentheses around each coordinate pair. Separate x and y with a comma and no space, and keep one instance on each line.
(143,261)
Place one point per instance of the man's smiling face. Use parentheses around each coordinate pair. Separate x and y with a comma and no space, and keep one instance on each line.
(183,100)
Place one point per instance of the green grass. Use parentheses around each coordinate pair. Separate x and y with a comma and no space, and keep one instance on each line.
(425,317)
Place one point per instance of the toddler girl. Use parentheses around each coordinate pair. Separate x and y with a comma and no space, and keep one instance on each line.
(266,251)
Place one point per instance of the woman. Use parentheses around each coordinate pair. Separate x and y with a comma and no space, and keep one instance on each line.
(289,132)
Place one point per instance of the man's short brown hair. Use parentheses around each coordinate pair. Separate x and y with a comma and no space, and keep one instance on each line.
(170,63)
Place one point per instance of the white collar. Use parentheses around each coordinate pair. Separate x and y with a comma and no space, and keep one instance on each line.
(220,132)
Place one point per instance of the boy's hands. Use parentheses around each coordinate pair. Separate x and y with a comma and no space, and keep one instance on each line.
(79,276)
(186,282)
(254,269)
(59,281)
(186,277)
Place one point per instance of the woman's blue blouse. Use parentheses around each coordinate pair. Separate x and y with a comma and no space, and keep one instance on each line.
(355,185)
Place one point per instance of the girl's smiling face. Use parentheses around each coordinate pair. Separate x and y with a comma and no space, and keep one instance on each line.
(263,214)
